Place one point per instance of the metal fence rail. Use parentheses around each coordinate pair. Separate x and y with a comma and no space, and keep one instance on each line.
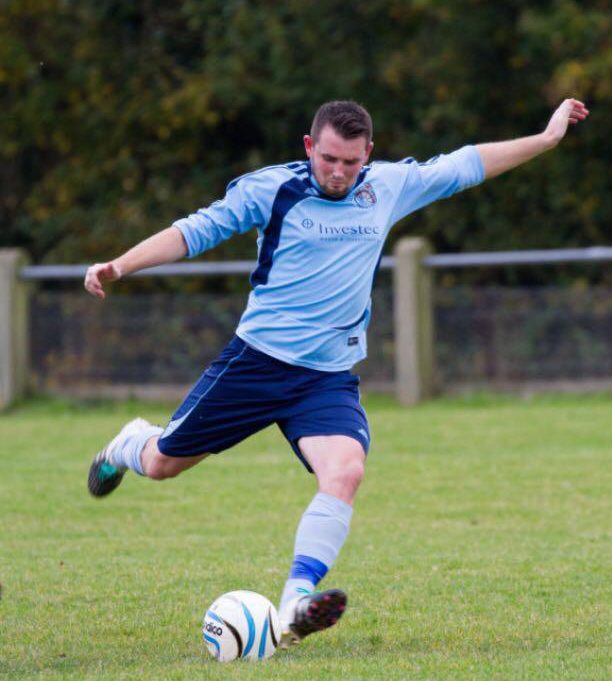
(441,261)
(183,269)
(543,257)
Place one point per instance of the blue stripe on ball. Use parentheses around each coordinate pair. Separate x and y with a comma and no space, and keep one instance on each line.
(262,642)
(251,623)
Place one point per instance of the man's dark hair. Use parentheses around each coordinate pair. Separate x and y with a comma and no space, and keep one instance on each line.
(347,118)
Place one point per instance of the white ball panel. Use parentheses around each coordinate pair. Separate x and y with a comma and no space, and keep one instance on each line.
(241,623)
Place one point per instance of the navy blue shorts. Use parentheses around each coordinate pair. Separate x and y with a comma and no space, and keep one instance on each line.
(245,390)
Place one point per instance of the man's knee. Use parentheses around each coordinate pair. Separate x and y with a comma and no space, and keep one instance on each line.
(344,474)
(337,461)
(350,475)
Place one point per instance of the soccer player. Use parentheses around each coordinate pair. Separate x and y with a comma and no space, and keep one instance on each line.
(321,226)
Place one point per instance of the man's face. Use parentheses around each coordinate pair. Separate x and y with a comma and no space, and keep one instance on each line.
(336,161)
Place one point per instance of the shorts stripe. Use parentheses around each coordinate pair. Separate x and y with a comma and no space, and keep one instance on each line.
(173,425)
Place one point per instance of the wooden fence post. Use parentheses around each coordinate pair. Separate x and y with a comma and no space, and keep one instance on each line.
(413,320)
(14,327)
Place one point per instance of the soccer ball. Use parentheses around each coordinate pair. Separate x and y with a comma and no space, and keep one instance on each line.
(241,624)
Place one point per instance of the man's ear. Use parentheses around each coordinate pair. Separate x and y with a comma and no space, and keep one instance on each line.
(308,145)
(369,148)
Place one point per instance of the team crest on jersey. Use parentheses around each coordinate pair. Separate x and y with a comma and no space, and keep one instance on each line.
(365,196)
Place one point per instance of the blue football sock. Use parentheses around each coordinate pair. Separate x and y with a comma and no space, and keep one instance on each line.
(129,455)
(320,536)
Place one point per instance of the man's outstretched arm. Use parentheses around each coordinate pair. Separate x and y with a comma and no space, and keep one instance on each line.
(164,247)
(497,157)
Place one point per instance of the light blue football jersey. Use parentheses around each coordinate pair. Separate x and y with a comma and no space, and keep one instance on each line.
(318,255)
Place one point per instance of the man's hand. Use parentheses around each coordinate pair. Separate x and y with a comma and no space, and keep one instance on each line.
(497,157)
(100,274)
(570,112)
(165,246)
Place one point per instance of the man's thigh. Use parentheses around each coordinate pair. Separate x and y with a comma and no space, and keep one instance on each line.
(235,397)
(333,410)
(329,453)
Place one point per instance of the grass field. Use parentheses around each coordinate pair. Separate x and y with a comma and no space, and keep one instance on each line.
(480,547)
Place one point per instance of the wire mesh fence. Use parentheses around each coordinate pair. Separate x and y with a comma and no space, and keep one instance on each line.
(497,337)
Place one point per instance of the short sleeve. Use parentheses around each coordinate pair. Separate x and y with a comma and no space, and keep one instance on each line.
(247,203)
(438,178)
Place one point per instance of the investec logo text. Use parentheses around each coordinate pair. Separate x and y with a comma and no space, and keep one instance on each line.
(371,231)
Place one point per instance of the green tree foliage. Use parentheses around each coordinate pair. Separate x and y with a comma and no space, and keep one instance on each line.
(119,117)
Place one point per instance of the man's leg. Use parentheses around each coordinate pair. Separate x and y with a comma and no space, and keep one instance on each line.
(134,448)
(158,466)
(338,464)
(187,437)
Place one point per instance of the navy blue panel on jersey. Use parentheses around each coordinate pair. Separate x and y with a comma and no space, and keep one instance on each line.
(288,195)
(244,391)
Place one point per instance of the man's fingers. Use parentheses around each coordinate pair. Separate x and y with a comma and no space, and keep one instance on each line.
(97,292)
(572,111)
(577,108)
(569,112)
(96,275)
(95,287)
(581,111)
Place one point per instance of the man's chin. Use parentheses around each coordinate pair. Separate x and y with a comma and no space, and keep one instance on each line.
(336,192)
